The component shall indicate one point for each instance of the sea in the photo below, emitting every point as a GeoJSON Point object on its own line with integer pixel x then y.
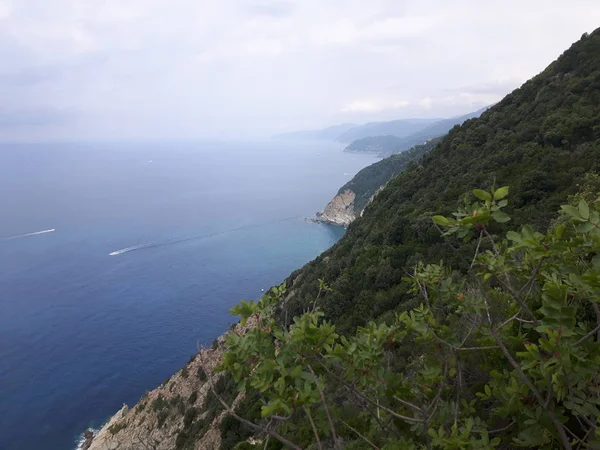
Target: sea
{"type": "Point", "coordinates": [118, 259]}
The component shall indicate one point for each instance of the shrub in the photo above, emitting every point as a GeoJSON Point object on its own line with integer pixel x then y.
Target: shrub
{"type": "Point", "coordinates": [504, 354]}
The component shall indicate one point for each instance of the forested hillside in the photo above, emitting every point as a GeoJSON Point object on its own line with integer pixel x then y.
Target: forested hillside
{"type": "Point", "coordinates": [439, 321]}
{"type": "Point", "coordinates": [368, 180]}
{"type": "Point", "coordinates": [374, 144]}
{"type": "Point", "coordinates": [400, 128]}
{"type": "Point", "coordinates": [389, 145]}
{"type": "Point", "coordinates": [541, 139]}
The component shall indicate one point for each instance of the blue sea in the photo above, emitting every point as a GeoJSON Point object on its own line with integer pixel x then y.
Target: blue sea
{"type": "Point", "coordinates": [116, 259]}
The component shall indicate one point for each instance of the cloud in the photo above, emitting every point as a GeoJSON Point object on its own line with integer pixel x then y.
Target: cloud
{"type": "Point", "coordinates": [185, 69]}
{"type": "Point", "coordinates": [271, 8]}
{"type": "Point", "coordinates": [366, 106]}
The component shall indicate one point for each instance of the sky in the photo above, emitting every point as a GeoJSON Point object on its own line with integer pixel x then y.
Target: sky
{"type": "Point", "coordinates": [186, 69]}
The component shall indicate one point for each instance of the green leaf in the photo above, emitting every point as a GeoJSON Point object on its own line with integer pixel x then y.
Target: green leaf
{"type": "Point", "coordinates": [441, 221]}
{"type": "Point", "coordinates": [571, 210]}
{"type": "Point", "coordinates": [470, 423]}
{"type": "Point", "coordinates": [482, 195]}
{"type": "Point", "coordinates": [585, 227]}
{"type": "Point", "coordinates": [584, 209]}
{"type": "Point", "coordinates": [500, 216]}
{"type": "Point", "coordinates": [501, 193]}
{"type": "Point", "coordinates": [514, 236]}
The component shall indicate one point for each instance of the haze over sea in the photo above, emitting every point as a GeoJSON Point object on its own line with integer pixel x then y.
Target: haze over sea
{"type": "Point", "coordinates": [193, 228]}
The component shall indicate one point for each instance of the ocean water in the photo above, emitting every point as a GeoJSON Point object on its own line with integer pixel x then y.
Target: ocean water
{"type": "Point", "coordinates": [116, 259]}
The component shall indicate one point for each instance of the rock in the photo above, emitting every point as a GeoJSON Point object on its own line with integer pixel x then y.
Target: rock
{"type": "Point", "coordinates": [137, 428]}
{"type": "Point", "coordinates": [89, 437]}
{"type": "Point", "coordinates": [340, 210]}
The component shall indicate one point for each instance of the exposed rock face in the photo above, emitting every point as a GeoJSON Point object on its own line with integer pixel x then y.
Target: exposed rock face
{"type": "Point", "coordinates": [159, 416]}
{"type": "Point", "coordinates": [89, 437]}
{"type": "Point", "coordinates": [340, 210]}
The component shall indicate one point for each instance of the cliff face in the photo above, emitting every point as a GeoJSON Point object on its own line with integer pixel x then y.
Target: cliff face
{"type": "Point", "coordinates": [355, 195]}
{"type": "Point", "coordinates": [340, 210]}
{"type": "Point", "coordinates": [182, 413]}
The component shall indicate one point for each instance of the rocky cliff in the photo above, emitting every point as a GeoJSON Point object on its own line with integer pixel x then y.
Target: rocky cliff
{"type": "Point", "coordinates": [182, 413]}
{"type": "Point", "coordinates": [352, 198]}
{"type": "Point", "coordinates": [340, 210]}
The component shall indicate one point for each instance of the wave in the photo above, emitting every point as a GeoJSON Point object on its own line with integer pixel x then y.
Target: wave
{"type": "Point", "coordinates": [81, 439]}
{"type": "Point", "coordinates": [193, 238]}
{"type": "Point", "coordinates": [27, 234]}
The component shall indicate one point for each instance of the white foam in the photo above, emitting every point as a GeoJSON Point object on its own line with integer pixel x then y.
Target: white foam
{"type": "Point", "coordinates": [123, 250]}
{"type": "Point", "coordinates": [29, 234]}
{"type": "Point", "coordinates": [129, 249]}
{"type": "Point", "coordinates": [81, 439]}
{"type": "Point", "coordinates": [192, 238]}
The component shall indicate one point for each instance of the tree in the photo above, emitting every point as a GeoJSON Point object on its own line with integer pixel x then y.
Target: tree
{"type": "Point", "coordinates": [504, 353]}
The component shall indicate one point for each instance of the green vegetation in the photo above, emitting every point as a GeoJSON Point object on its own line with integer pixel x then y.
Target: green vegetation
{"type": "Point", "coordinates": [366, 182]}
{"type": "Point", "coordinates": [386, 145]}
{"type": "Point", "coordinates": [375, 144]}
{"type": "Point", "coordinates": [438, 320]}
{"type": "Point", "coordinates": [194, 427]}
{"type": "Point", "coordinates": [541, 140]}
{"type": "Point", "coordinates": [400, 128]}
{"type": "Point", "coordinates": [159, 403]}
{"type": "Point", "coordinates": [161, 407]}
{"type": "Point", "coordinates": [114, 429]}
{"type": "Point", "coordinates": [505, 353]}
{"type": "Point", "coordinates": [485, 337]}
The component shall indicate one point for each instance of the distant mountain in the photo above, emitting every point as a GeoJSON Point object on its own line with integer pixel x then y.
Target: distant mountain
{"type": "Point", "coordinates": [408, 133]}
{"type": "Point", "coordinates": [329, 133]}
{"type": "Point", "coordinates": [399, 128]}
{"type": "Point", "coordinates": [386, 145]}
{"type": "Point", "coordinates": [375, 144]}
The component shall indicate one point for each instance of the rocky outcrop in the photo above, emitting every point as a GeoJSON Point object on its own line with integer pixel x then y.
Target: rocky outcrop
{"type": "Point", "coordinates": [88, 438]}
{"type": "Point", "coordinates": [340, 210]}
{"type": "Point", "coordinates": [181, 413]}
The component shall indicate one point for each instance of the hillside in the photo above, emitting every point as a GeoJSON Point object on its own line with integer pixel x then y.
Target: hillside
{"type": "Point", "coordinates": [399, 128]}
{"type": "Point", "coordinates": [388, 145]}
{"type": "Point", "coordinates": [539, 139]}
{"type": "Point", "coordinates": [367, 181]}
{"type": "Point", "coordinates": [542, 140]}
{"type": "Point", "coordinates": [374, 144]}
{"type": "Point", "coordinates": [348, 132]}
{"type": "Point", "coordinates": [353, 197]}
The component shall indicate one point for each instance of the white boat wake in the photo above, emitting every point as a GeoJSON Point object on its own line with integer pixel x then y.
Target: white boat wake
{"type": "Point", "coordinates": [28, 234]}
{"type": "Point", "coordinates": [130, 249]}
{"type": "Point", "coordinates": [193, 238]}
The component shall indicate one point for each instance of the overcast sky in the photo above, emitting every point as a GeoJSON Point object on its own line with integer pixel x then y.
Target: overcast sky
{"type": "Point", "coordinates": [87, 69]}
